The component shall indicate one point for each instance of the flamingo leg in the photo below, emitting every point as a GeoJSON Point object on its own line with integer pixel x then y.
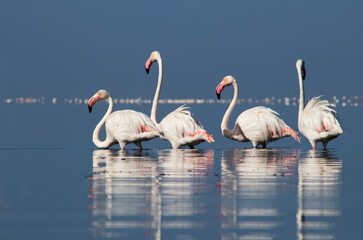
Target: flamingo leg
{"type": "Point", "coordinates": [324, 145]}
{"type": "Point", "coordinates": [122, 145]}
{"type": "Point", "coordinates": [139, 145]}
{"type": "Point", "coordinates": [313, 144]}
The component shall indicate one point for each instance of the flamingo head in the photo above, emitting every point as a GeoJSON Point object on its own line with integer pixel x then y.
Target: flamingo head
{"type": "Point", "coordinates": [154, 56]}
{"type": "Point", "coordinates": [99, 96]}
{"type": "Point", "coordinates": [227, 81]}
{"type": "Point", "coordinates": [300, 65]}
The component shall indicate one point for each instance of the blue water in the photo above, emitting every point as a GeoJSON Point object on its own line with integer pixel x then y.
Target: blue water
{"type": "Point", "coordinates": [55, 184]}
{"type": "Point", "coordinates": [180, 194]}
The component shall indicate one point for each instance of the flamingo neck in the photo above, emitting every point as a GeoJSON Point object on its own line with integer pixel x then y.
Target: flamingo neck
{"type": "Point", "coordinates": [157, 92]}
{"type": "Point", "coordinates": [108, 141]}
{"type": "Point", "coordinates": [302, 95]}
{"type": "Point", "coordinates": [224, 125]}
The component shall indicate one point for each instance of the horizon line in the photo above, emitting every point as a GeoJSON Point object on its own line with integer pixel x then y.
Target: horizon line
{"type": "Point", "coordinates": [353, 101]}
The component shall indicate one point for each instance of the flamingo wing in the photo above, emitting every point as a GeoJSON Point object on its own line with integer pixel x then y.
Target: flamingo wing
{"type": "Point", "coordinates": [262, 124]}
{"type": "Point", "coordinates": [319, 116]}
{"type": "Point", "coordinates": [181, 128]}
{"type": "Point", "coordinates": [131, 126]}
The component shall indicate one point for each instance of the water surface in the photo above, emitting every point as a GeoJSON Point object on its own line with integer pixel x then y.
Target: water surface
{"type": "Point", "coordinates": [215, 194]}
{"type": "Point", "coordinates": [55, 184]}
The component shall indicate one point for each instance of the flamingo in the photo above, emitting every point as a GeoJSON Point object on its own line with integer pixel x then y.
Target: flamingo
{"type": "Point", "coordinates": [123, 127]}
{"type": "Point", "coordinates": [179, 127]}
{"type": "Point", "coordinates": [258, 125]}
{"type": "Point", "coordinates": [318, 121]}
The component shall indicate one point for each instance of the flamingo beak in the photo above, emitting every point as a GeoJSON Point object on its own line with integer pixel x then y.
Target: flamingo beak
{"type": "Point", "coordinates": [147, 65]}
{"type": "Point", "coordinates": [303, 73]}
{"type": "Point", "coordinates": [219, 90]}
{"type": "Point", "coordinates": [218, 96]}
{"type": "Point", "coordinates": [92, 101]}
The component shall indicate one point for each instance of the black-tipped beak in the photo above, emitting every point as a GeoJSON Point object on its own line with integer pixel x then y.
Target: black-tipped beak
{"type": "Point", "coordinates": [218, 96]}
{"type": "Point", "coordinates": [147, 70]}
{"type": "Point", "coordinates": [303, 73]}
{"type": "Point", "coordinates": [89, 109]}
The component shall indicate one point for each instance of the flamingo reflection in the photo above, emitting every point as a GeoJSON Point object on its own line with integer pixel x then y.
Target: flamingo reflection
{"type": "Point", "coordinates": [254, 181]}
{"type": "Point", "coordinates": [318, 191]}
{"type": "Point", "coordinates": [140, 195]}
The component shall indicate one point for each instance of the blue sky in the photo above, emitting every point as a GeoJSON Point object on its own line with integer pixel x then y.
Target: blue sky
{"type": "Point", "coordinates": [73, 48]}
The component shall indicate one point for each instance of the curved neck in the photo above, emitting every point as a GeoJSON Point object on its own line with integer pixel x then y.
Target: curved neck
{"type": "Point", "coordinates": [224, 125]}
{"type": "Point", "coordinates": [108, 141]}
{"type": "Point", "coordinates": [157, 92]}
{"type": "Point", "coordinates": [302, 95]}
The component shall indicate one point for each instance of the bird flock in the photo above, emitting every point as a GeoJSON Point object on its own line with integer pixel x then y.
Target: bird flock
{"type": "Point", "coordinates": [317, 120]}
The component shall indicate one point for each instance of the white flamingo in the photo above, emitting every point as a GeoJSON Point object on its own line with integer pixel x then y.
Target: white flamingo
{"type": "Point", "coordinates": [123, 127]}
{"type": "Point", "coordinates": [318, 121]}
{"type": "Point", "coordinates": [179, 127]}
{"type": "Point", "coordinates": [258, 125]}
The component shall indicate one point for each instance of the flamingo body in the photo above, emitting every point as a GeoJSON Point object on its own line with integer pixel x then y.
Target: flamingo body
{"type": "Point", "coordinates": [122, 127]}
{"type": "Point", "coordinates": [179, 127]}
{"type": "Point", "coordinates": [318, 121]}
{"type": "Point", "coordinates": [129, 126]}
{"type": "Point", "coordinates": [259, 125]}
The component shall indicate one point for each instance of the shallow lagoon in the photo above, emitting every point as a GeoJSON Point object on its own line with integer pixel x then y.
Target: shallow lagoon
{"type": "Point", "coordinates": [54, 184]}
{"type": "Point", "coordinates": [180, 194]}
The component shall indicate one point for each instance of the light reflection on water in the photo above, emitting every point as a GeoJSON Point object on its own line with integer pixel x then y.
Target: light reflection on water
{"type": "Point", "coordinates": [214, 194]}
{"type": "Point", "coordinates": [135, 195]}
{"type": "Point", "coordinates": [255, 183]}
{"type": "Point", "coordinates": [318, 190]}
{"type": "Point", "coordinates": [344, 101]}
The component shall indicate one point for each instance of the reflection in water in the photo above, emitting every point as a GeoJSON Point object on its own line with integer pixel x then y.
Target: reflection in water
{"type": "Point", "coordinates": [183, 194]}
{"type": "Point", "coordinates": [255, 186]}
{"type": "Point", "coordinates": [318, 190]}
{"type": "Point", "coordinates": [113, 199]}
{"type": "Point", "coordinates": [135, 195]}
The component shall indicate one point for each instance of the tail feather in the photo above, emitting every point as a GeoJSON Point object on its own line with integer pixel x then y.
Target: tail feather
{"type": "Point", "coordinates": [290, 132]}
{"type": "Point", "coordinates": [209, 137]}
{"type": "Point", "coordinates": [203, 135]}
